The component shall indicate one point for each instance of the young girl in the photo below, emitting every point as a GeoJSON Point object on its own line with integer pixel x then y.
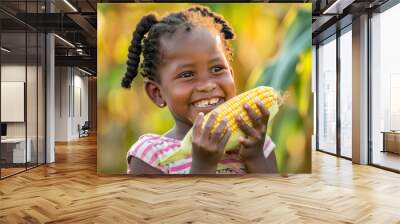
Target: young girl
{"type": "Point", "coordinates": [186, 67]}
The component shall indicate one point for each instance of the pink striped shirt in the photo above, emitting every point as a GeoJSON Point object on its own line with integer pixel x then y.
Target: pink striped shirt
{"type": "Point", "coordinates": [150, 148]}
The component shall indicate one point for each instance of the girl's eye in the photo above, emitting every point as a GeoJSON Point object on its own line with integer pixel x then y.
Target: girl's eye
{"type": "Point", "coordinates": [185, 75]}
{"type": "Point", "coordinates": [216, 69]}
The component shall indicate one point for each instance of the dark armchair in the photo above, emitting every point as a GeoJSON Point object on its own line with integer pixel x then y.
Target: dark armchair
{"type": "Point", "coordinates": [84, 130]}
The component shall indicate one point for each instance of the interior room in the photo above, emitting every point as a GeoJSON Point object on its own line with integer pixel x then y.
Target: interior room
{"type": "Point", "coordinates": [333, 56]}
{"type": "Point", "coordinates": [385, 87]}
{"type": "Point", "coordinates": [48, 150]}
{"type": "Point", "coordinates": [22, 100]}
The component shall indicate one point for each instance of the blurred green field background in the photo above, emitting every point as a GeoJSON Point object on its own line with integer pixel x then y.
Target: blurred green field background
{"type": "Point", "coordinates": [272, 47]}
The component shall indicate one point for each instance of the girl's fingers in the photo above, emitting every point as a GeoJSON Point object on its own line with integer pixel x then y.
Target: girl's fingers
{"type": "Point", "coordinates": [205, 136]}
{"type": "Point", "coordinates": [256, 120]}
{"type": "Point", "coordinates": [247, 143]}
{"type": "Point", "coordinates": [264, 111]}
{"type": "Point", "coordinates": [247, 130]}
{"type": "Point", "coordinates": [219, 131]}
{"type": "Point", "coordinates": [224, 140]}
{"type": "Point", "coordinates": [264, 114]}
{"type": "Point", "coordinates": [197, 125]}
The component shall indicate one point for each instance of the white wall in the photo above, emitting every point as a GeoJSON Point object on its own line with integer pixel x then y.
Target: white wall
{"type": "Point", "coordinates": [33, 127]}
{"type": "Point", "coordinates": [61, 103]}
{"type": "Point", "coordinates": [16, 73]}
{"type": "Point", "coordinates": [71, 94]}
{"type": "Point", "coordinates": [80, 102]}
{"type": "Point", "coordinates": [13, 73]}
{"type": "Point", "coordinates": [13, 100]}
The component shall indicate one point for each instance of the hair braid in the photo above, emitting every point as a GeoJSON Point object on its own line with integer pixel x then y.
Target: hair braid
{"type": "Point", "coordinates": [135, 49]}
{"type": "Point", "coordinates": [226, 29]}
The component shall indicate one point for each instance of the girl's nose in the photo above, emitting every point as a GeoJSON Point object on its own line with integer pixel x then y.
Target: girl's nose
{"type": "Point", "coordinates": [206, 87]}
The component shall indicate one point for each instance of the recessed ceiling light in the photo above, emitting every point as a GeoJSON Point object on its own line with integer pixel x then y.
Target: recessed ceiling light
{"type": "Point", "coordinates": [70, 5]}
{"type": "Point", "coordinates": [337, 7]}
{"type": "Point", "coordinates": [84, 71]}
{"type": "Point", "coordinates": [64, 40]}
{"type": "Point", "coordinates": [5, 50]}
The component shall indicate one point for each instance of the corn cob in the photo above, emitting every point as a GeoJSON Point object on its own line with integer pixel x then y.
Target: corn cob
{"type": "Point", "coordinates": [234, 107]}
{"type": "Point", "coordinates": [231, 108]}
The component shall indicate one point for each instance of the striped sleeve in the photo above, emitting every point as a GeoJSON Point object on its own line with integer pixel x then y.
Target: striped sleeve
{"type": "Point", "coordinates": [150, 148]}
{"type": "Point", "coordinates": [145, 149]}
{"type": "Point", "coordinates": [269, 146]}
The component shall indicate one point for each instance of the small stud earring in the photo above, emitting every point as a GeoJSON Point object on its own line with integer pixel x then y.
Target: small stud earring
{"type": "Point", "coordinates": [162, 104]}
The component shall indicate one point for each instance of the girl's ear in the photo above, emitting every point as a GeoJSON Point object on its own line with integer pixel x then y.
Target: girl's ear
{"type": "Point", "coordinates": [154, 92]}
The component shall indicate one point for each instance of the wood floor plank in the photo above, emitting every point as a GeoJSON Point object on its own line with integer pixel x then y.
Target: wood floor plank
{"type": "Point", "coordinates": [70, 191]}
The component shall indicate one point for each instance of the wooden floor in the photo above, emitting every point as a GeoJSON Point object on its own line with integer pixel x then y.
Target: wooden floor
{"type": "Point", "coordinates": [70, 191]}
{"type": "Point", "coordinates": [10, 171]}
{"type": "Point", "coordinates": [387, 159]}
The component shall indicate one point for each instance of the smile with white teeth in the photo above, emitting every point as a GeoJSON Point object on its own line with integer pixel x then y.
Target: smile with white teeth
{"type": "Point", "coordinates": [207, 102]}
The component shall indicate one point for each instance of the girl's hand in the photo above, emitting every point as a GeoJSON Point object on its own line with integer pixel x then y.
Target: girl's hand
{"type": "Point", "coordinates": [251, 146]}
{"type": "Point", "coordinates": [207, 147]}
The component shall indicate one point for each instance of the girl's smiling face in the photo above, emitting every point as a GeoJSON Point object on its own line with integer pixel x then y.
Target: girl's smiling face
{"type": "Point", "coordinates": [194, 73]}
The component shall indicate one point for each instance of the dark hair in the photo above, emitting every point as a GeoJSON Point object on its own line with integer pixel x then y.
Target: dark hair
{"type": "Point", "coordinates": [167, 26]}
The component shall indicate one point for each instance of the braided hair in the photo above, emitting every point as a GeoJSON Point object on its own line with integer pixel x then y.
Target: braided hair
{"type": "Point", "coordinates": [155, 29]}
